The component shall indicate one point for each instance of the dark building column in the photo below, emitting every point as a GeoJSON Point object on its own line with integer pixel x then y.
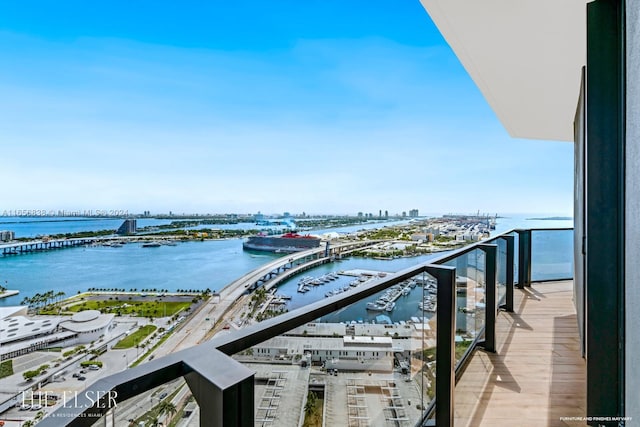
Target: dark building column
{"type": "Point", "coordinates": [604, 213]}
{"type": "Point", "coordinates": [632, 196]}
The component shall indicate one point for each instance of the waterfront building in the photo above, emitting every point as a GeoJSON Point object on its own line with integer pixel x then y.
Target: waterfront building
{"type": "Point", "coordinates": [21, 334]}
{"type": "Point", "coordinates": [328, 330]}
{"type": "Point", "coordinates": [419, 237]}
{"type": "Point", "coordinates": [7, 236]}
{"type": "Point", "coordinates": [129, 226]}
{"type": "Point", "coordinates": [348, 353]}
{"type": "Point", "coordinates": [88, 325]}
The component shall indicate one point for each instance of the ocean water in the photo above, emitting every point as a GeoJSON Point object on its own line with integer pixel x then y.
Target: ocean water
{"type": "Point", "coordinates": [508, 222]}
{"type": "Point", "coordinates": [208, 264]}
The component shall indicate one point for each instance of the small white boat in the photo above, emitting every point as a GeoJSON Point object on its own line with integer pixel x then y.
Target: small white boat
{"type": "Point", "coordinates": [372, 306]}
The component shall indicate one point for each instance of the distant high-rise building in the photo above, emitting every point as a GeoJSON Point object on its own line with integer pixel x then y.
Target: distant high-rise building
{"type": "Point", "coordinates": [413, 213]}
{"type": "Point", "coordinates": [360, 214]}
{"type": "Point", "coordinates": [6, 236]}
{"type": "Point", "coordinates": [404, 214]}
{"type": "Point", "coordinates": [386, 214]}
{"type": "Point", "coordinates": [129, 226]}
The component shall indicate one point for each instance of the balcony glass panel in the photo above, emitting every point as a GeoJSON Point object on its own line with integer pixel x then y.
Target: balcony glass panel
{"type": "Point", "coordinates": [501, 272]}
{"type": "Point", "coordinates": [516, 256]}
{"type": "Point", "coordinates": [551, 254]}
{"type": "Point", "coordinates": [370, 363]}
{"type": "Point", "coordinates": [470, 302]}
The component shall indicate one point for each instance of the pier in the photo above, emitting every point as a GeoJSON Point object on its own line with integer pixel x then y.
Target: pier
{"type": "Point", "coordinates": [8, 293]}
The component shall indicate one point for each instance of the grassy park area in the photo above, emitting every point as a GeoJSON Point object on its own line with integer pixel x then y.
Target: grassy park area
{"type": "Point", "coordinates": [137, 337]}
{"type": "Point", "coordinates": [127, 307]}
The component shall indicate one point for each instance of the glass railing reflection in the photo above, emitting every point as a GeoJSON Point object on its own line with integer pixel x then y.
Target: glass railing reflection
{"type": "Point", "coordinates": [501, 272]}
{"type": "Point", "coordinates": [370, 363]}
{"type": "Point", "coordinates": [470, 298]}
{"type": "Point", "coordinates": [551, 254]}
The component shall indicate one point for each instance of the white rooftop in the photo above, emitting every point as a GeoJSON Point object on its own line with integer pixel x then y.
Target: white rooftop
{"type": "Point", "coordinates": [85, 316]}
{"type": "Point", "coordinates": [12, 311]}
{"type": "Point", "coordinates": [86, 321]}
{"type": "Point", "coordinates": [299, 345]}
{"type": "Point", "coordinates": [21, 327]}
{"type": "Point", "coordinates": [362, 341]}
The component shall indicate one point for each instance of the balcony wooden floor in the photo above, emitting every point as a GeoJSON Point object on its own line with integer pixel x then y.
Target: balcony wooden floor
{"type": "Point", "coordinates": [537, 376]}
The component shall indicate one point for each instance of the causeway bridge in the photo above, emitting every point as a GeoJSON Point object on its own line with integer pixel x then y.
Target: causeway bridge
{"type": "Point", "coordinates": [274, 272]}
{"type": "Point", "coordinates": [23, 247]}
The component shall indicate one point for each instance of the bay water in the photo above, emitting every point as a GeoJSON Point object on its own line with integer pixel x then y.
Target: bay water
{"type": "Point", "coordinates": [191, 265]}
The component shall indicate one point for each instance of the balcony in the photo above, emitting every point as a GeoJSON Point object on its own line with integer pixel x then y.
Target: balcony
{"type": "Point", "coordinates": [537, 375]}
{"type": "Point", "coordinates": [469, 341]}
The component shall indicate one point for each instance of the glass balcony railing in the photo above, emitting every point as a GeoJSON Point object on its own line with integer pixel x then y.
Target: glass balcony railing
{"type": "Point", "coordinates": [371, 362]}
{"type": "Point", "coordinates": [380, 349]}
{"type": "Point", "coordinates": [551, 254]}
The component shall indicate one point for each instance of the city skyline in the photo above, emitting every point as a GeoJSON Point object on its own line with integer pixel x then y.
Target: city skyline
{"type": "Point", "coordinates": [320, 107]}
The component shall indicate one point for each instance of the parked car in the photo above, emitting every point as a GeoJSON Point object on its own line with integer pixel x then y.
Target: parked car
{"type": "Point", "coordinates": [82, 378]}
{"type": "Point", "coordinates": [94, 367]}
{"type": "Point", "coordinates": [36, 407]}
{"type": "Point", "coordinates": [75, 375]}
{"type": "Point", "coordinates": [25, 407]}
{"type": "Point", "coordinates": [82, 371]}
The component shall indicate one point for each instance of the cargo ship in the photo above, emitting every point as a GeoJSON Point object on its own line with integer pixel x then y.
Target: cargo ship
{"type": "Point", "coordinates": [289, 242]}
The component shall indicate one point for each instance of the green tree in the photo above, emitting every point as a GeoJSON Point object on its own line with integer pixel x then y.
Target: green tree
{"type": "Point", "coordinates": [166, 407]}
{"type": "Point", "coordinates": [29, 375]}
{"type": "Point", "coordinates": [311, 406]}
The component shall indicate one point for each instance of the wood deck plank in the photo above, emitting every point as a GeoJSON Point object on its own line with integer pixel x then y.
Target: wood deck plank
{"type": "Point", "coordinates": [537, 375]}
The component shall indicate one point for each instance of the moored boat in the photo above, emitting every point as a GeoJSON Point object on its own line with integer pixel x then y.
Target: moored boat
{"type": "Point", "coordinates": [289, 242]}
{"type": "Point", "coordinates": [372, 306]}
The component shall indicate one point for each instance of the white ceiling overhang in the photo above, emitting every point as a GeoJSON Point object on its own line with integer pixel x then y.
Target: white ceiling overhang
{"type": "Point", "coordinates": [525, 56]}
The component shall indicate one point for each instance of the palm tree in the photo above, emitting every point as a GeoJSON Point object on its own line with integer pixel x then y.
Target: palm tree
{"type": "Point", "coordinates": [166, 407]}
{"type": "Point", "coordinates": [310, 406]}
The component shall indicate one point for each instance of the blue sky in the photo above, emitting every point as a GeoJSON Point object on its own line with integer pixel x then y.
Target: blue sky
{"type": "Point", "coordinates": [316, 106]}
